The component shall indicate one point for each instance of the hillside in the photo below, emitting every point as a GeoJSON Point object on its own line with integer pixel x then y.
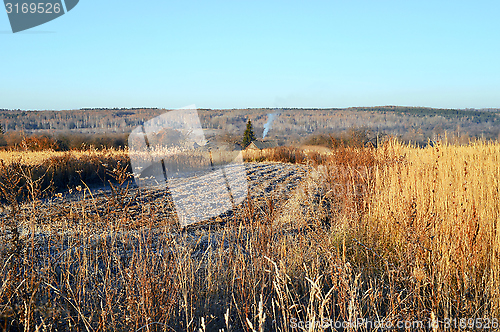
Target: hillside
{"type": "Point", "coordinates": [409, 123]}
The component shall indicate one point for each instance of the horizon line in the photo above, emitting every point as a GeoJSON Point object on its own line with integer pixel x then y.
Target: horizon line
{"type": "Point", "coordinates": [246, 108]}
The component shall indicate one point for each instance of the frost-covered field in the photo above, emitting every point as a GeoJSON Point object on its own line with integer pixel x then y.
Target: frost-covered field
{"type": "Point", "coordinates": [115, 221]}
{"type": "Point", "coordinates": [129, 208]}
{"type": "Point", "coordinates": [396, 233]}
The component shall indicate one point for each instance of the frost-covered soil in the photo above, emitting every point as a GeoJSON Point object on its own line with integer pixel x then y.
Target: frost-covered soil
{"type": "Point", "coordinates": [128, 212]}
{"type": "Point", "coordinates": [97, 241]}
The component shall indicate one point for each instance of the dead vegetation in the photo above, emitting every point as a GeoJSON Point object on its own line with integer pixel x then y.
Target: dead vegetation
{"type": "Point", "coordinates": [394, 233]}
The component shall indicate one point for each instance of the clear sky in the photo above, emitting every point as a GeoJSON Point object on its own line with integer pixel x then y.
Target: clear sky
{"type": "Point", "coordinates": [236, 54]}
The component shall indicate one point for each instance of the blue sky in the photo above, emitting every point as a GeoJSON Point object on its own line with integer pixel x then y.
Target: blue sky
{"type": "Point", "coordinates": [236, 54]}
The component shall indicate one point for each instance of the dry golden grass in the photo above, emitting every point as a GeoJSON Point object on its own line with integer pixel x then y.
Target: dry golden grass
{"type": "Point", "coordinates": [287, 155]}
{"type": "Point", "coordinates": [395, 234]}
{"type": "Point", "coordinates": [436, 212]}
{"type": "Point", "coordinates": [39, 157]}
{"type": "Point", "coordinates": [57, 171]}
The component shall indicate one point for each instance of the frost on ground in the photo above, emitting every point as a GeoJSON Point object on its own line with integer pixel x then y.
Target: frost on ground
{"type": "Point", "coordinates": [95, 213]}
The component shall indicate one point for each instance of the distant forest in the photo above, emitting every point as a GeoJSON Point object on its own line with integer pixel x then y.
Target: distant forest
{"type": "Point", "coordinates": [292, 125]}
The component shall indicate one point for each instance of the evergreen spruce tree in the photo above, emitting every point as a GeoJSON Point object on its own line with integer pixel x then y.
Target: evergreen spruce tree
{"type": "Point", "coordinates": [248, 137]}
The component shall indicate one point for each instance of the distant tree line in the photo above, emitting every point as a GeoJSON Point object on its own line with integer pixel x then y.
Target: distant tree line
{"type": "Point", "coordinates": [477, 116]}
{"type": "Point", "coordinates": [293, 125]}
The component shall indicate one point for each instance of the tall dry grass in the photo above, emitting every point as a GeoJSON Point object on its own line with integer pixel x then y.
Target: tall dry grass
{"type": "Point", "coordinates": [34, 158]}
{"type": "Point", "coordinates": [394, 234]}
{"type": "Point", "coordinates": [434, 215]}
{"type": "Point", "coordinates": [284, 154]}
{"type": "Point", "coordinates": [57, 171]}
